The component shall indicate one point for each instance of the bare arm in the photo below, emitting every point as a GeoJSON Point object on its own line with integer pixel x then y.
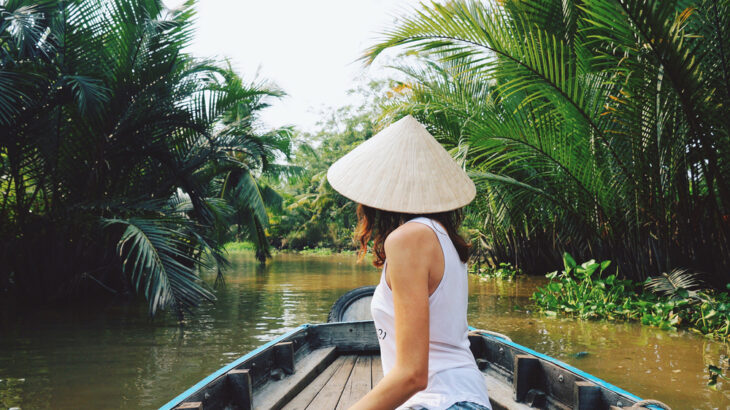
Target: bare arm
{"type": "Point", "coordinates": [408, 270]}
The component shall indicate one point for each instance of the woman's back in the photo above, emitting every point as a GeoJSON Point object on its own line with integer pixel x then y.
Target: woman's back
{"type": "Point", "coordinates": [452, 372]}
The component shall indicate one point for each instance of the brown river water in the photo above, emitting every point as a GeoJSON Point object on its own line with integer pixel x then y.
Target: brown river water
{"type": "Point", "coordinates": [116, 357]}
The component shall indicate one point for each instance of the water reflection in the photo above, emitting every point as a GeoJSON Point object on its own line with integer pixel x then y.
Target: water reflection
{"type": "Point", "coordinates": [114, 357]}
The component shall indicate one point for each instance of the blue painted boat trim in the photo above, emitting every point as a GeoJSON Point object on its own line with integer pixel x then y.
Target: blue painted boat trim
{"type": "Point", "coordinates": [579, 372]}
{"type": "Point", "coordinates": [225, 369]}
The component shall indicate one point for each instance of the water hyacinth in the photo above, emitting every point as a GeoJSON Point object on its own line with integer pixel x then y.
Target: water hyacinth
{"type": "Point", "coordinates": [586, 291]}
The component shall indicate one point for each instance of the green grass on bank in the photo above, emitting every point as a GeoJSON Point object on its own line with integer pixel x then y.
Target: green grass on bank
{"type": "Point", "coordinates": [246, 246]}
{"type": "Point", "coordinates": [323, 251]}
{"type": "Point", "coordinates": [233, 247]}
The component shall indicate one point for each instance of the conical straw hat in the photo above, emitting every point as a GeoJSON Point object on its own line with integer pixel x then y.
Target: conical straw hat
{"type": "Point", "coordinates": [402, 169]}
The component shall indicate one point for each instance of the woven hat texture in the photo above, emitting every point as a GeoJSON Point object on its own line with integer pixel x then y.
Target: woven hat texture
{"type": "Point", "coordinates": [402, 169]}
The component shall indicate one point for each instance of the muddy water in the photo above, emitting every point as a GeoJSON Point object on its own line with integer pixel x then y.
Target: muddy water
{"type": "Point", "coordinates": [114, 357]}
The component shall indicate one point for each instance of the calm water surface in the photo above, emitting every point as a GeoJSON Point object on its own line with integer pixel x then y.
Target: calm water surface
{"type": "Point", "coordinates": [115, 357]}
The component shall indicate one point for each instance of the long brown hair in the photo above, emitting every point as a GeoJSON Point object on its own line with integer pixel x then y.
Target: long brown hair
{"type": "Point", "coordinates": [377, 224]}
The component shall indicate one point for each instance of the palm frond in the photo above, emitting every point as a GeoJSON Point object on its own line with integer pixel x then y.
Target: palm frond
{"type": "Point", "coordinates": [104, 116]}
{"type": "Point", "coordinates": [591, 121]}
{"type": "Point", "coordinates": [156, 255]}
{"type": "Point", "coordinates": [678, 284]}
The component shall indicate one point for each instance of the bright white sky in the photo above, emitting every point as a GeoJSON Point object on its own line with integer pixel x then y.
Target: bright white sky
{"type": "Point", "coordinates": [308, 48]}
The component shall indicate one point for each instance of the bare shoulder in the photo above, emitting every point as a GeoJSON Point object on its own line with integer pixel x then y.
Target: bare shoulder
{"type": "Point", "coordinates": [412, 251]}
{"type": "Point", "coordinates": [410, 236]}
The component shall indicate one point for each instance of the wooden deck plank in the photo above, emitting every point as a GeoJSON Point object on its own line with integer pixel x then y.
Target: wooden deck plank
{"type": "Point", "coordinates": [275, 394]}
{"type": "Point", "coordinates": [328, 397]}
{"type": "Point", "coordinates": [302, 400]}
{"type": "Point", "coordinates": [501, 395]}
{"type": "Point", "coordinates": [377, 370]}
{"type": "Point", "coordinates": [359, 383]}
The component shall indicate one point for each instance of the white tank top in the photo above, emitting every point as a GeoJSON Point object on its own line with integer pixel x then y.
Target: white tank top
{"type": "Point", "coordinates": [453, 375]}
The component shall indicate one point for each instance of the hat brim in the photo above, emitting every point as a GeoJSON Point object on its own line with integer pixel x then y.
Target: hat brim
{"type": "Point", "coordinates": [402, 169]}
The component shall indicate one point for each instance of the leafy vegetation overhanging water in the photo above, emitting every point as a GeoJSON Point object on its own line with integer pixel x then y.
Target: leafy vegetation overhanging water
{"type": "Point", "coordinates": [601, 128]}
{"type": "Point", "coordinates": [594, 127]}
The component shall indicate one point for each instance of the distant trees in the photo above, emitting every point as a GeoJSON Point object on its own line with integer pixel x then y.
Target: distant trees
{"type": "Point", "coordinates": [123, 161]}
{"type": "Point", "coordinates": [314, 214]}
{"type": "Point", "coordinates": [591, 126]}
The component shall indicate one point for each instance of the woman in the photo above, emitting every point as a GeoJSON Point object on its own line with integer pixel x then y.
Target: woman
{"type": "Point", "coordinates": [410, 192]}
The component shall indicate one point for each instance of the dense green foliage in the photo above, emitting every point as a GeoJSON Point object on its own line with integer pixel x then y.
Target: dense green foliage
{"type": "Point", "coordinates": [249, 247]}
{"type": "Point", "coordinates": [314, 214]}
{"type": "Point", "coordinates": [668, 302]}
{"type": "Point", "coordinates": [593, 126]}
{"type": "Point", "coordinates": [122, 159]}
{"type": "Point", "coordinates": [596, 127]}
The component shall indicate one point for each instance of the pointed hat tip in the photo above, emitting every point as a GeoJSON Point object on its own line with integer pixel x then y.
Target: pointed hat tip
{"type": "Point", "coordinates": [408, 122]}
{"type": "Point", "coordinates": [409, 117]}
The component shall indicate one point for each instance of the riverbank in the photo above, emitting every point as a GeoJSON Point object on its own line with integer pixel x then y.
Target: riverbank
{"type": "Point", "coordinates": [237, 247]}
{"type": "Point", "coordinates": [670, 302]}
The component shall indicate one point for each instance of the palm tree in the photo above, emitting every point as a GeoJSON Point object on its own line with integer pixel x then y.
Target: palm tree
{"type": "Point", "coordinates": [592, 126]}
{"type": "Point", "coordinates": [106, 128]}
{"type": "Point", "coordinates": [247, 155]}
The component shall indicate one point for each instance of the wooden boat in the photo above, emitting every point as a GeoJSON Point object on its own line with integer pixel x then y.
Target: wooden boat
{"type": "Point", "coordinates": [332, 365]}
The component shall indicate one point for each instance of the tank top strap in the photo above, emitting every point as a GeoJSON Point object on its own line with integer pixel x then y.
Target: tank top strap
{"type": "Point", "coordinates": [426, 221]}
{"type": "Point", "coordinates": [432, 223]}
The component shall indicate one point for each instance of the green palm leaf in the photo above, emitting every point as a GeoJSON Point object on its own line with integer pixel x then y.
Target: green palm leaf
{"type": "Point", "coordinates": [103, 116]}
{"type": "Point", "coordinates": [591, 122]}
{"type": "Point", "coordinates": [156, 255]}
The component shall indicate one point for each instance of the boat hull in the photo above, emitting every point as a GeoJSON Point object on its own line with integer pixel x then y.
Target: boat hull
{"type": "Point", "coordinates": [303, 369]}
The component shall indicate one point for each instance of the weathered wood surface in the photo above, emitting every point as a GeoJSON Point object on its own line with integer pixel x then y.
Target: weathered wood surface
{"type": "Point", "coordinates": [241, 387]}
{"type": "Point", "coordinates": [305, 397]}
{"type": "Point", "coordinates": [587, 396]}
{"type": "Point", "coordinates": [277, 393]}
{"type": "Point", "coordinates": [354, 337]}
{"type": "Point", "coordinates": [284, 356]}
{"type": "Point", "coordinates": [377, 370]}
{"type": "Point", "coordinates": [557, 383]}
{"type": "Point", "coordinates": [215, 395]}
{"type": "Point", "coordinates": [359, 383]}
{"type": "Point", "coordinates": [527, 376]}
{"type": "Point", "coordinates": [331, 366]}
{"type": "Point", "coordinates": [501, 394]}
{"type": "Point", "coordinates": [196, 405]}
{"type": "Point", "coordinates": [328, 397]}
{"type": "Point", "coordinates": [342, 384]}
